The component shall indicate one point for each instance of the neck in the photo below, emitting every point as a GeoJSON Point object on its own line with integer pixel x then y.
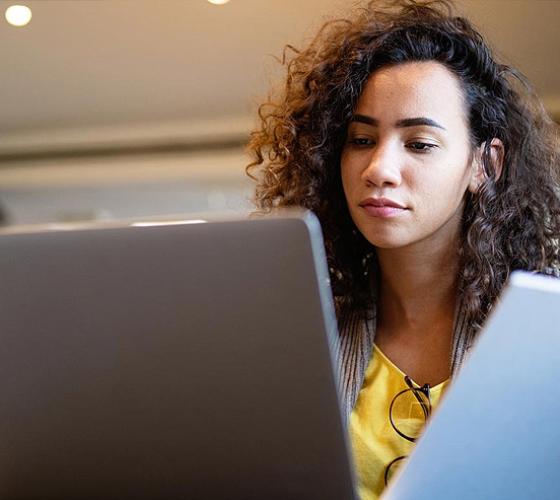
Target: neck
{"type": "Point", "coordinates": [418, 288]}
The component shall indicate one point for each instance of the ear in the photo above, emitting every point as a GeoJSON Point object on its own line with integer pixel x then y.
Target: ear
{"type": "Point", "coordinates": [478, 176]}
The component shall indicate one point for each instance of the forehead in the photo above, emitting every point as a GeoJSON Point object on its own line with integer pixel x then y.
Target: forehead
{"type": "Point", "coordinates": [413, 89]}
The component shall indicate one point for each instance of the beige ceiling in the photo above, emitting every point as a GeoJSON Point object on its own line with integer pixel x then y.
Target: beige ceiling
{"type": "Point", "coordinates": [94, 62]}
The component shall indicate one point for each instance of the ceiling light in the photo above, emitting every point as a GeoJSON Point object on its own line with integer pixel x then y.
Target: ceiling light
{"type": "Point", "coordinates": [18, 15]}
{"type": "Point", "coordinates": [218, 2]}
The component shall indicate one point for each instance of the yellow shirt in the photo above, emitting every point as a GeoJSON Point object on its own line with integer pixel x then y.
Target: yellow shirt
{"type": "Point", "coordinates": [375, 442]}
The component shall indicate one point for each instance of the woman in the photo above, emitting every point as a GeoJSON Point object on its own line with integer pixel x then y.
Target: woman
{"type": "Point", "coordinates": [434, 172]}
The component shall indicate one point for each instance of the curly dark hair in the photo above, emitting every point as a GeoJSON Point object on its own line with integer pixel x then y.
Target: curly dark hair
{"type": "Point", "coordinates": [512, 222]}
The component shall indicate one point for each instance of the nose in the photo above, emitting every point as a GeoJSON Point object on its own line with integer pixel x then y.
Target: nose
{"type": "Point", "coordinates": [384, 168]}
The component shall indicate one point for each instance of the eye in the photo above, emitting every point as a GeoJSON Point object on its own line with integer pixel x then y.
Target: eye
{"type": "Point", "coordinates": [420, 147]}
{"type": "Point", "coordinates": [361, 141]}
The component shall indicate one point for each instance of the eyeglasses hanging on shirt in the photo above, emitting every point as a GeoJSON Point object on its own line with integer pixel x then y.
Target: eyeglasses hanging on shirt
{"type": "Point", "coordinates": [408, 414]}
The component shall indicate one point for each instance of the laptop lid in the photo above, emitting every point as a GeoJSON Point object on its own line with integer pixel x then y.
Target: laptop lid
{"type": "Point", "coordinates": [170, 360]}
{"type": "Point", "coordinates": [497, 432]}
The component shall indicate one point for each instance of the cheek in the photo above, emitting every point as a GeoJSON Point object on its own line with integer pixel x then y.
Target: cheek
{"type": "Point", "coordinates": [348, 176]}
{"type": "Point", "coordinates": [443, 191]}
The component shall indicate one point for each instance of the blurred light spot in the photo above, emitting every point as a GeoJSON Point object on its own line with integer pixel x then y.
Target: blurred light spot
{"type": "Point", "coordinates": [168, 223]}
{"type": "Point", "coordinates": [18, 15]}
{"type": "Point", "coordinates": [218, 2]}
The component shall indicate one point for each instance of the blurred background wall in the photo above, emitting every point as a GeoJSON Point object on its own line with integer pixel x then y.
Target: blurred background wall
{"type": "Point", "coordinates": [130, 108]}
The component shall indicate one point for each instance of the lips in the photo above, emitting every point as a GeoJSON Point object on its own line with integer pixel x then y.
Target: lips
{"type": "Point", "coordinates": [381, 202]}
{"type": "Point", "coordinates": [382, 207]}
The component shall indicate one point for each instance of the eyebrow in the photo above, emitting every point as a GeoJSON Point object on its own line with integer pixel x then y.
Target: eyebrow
{"type": "Point", "coordinates": [405, 122]}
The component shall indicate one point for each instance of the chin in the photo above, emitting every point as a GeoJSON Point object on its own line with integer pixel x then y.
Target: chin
{"type": "Point", "coordinates": [385, 237]}
{"type": "Point", "coordinates": [388, 245]}
{"type": "Point", "coordinates": [386, 241]}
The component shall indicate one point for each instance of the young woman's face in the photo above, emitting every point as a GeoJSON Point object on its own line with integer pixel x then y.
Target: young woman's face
{"type": "Point", "coordinates": [406, 164]}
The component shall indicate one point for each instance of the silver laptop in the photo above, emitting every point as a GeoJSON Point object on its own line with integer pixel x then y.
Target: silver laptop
{"type": "Point", "coordinates": [181, 359]}
{"type": "Point", "coordinates": [496, 434]}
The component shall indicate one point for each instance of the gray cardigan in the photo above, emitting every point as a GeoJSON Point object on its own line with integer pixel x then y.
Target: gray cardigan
{"type": "Point", "coordinates": [357, 334]}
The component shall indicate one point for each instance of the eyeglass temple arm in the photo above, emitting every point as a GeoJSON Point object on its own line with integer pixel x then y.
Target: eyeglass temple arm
{"type": "Point", "coordinates": [424, 389]}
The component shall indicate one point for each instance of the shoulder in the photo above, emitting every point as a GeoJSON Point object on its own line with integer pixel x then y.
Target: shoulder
{"type": "Point", "coordinates": [355, 323]}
